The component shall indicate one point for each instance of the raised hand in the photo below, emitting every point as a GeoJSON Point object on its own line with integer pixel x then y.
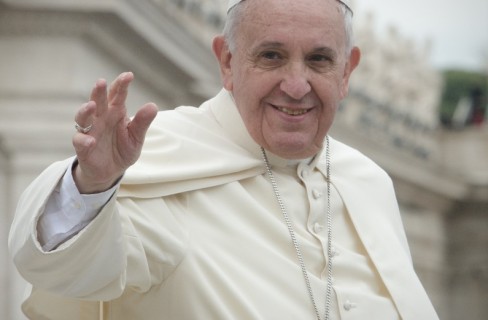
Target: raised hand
{"type": "Point", "coordinates": [114, 141]}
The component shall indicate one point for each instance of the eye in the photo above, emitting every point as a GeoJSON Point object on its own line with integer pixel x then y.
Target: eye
{"type": "Point", "coordinates": [270, 59]}
{"type": "Point", "coordinates": [319, 58]}
{"type": "Point", "coordinates": [271, 55]}
{"type": "Point", "coordinates": [320, 62]}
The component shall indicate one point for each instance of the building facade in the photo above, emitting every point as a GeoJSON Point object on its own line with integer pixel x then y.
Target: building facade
{"type": "Point", "coordinates": [52, 51]}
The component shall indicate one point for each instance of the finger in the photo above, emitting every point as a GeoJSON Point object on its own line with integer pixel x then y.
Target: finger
{"type": "Point", "coordinates": [120, 88]}
{"type": "Point", "coordinates": [99, 96]}
{"type": "Point", "coordinates": [84, 116]}
{"type": "Point", "coordinates": [141, 122]}
{"type": "Point", "coordinates": [83, 145]}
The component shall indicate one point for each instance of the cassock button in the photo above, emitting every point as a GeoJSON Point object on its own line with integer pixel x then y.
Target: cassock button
{"type": "Point", "coordinates": [305, 173]}
{"type": "Point", "coordinates": [317, 227]}
{"type": "Point", "coordinates": [348, 305]}
{"type": "Point", "coordinates": [316, 194]}
{"type": "Point", "coordinates": [335, 251]}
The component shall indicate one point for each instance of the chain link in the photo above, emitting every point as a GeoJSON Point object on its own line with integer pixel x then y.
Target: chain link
{"type": "Point", "coordinates": [295, 241]}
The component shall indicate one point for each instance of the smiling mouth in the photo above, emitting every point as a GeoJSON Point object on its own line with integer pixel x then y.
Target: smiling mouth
{"type": "Point", "coordinates": [291, 112]}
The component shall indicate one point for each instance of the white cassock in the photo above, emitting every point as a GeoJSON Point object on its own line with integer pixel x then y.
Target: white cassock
{"type": "Point", "coordinates": [195, 232]}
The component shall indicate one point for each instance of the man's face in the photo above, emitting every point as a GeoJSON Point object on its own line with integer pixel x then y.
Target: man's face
{"type": "Point", "coordinates": [288, 72]}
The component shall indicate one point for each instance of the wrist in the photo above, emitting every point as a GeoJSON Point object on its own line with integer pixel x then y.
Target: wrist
{"type": "Point", "coordinates": [87, 185]}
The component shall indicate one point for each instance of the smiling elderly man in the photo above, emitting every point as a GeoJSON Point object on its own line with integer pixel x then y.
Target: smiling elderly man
{"type": "Point", "coordinates": [243, 208]}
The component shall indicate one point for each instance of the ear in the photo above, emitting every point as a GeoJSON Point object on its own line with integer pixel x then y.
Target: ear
{"type": "Point", "coordinates": [351, 64]}
{"type": "Point", "coordinates": [224, 56]}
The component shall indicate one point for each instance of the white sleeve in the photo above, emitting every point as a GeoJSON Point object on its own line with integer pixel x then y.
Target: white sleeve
{"type": "Point", "coordinates": [67, 212]}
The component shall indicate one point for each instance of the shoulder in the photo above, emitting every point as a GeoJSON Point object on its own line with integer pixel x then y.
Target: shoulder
{"type": "Point", "coordinates": [353, 163]}
{"type": "Point", "coordinates": [183, 123]}
{"type": "Point", "coordinates": [177, 118]}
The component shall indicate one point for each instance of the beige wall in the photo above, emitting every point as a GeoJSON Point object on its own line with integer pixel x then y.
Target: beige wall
{"type": "Point", "coordinates": [50, 59]}
{"type": "Point", "coordinates": [4, 225]}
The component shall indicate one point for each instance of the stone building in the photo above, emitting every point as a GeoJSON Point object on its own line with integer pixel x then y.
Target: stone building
{"type": "Point", "coordinates": [53, 50]}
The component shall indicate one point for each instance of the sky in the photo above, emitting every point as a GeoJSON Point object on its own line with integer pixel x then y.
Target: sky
{"type": "Point", "coordinates": [458, 29]}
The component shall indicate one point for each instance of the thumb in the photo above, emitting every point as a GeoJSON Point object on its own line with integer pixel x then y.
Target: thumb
{"type": "Point", "coordinates": [141, 121]}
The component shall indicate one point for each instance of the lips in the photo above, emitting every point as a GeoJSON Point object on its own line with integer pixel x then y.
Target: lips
{"type": "Point", "coordinates": [292, 112]}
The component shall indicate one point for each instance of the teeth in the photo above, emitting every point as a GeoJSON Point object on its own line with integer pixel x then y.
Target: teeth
{"type": "Point", "coordinates": [293, 112]}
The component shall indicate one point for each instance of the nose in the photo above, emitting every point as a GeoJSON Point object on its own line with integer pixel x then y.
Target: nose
{"type": "Point", "coordinates": [295, 82]}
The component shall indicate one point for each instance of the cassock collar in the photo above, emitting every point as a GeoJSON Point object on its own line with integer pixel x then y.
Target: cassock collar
{"type": "Point", "coordinates": [227, 114]}
{"type": "Point", "coordinates": [193, 148]}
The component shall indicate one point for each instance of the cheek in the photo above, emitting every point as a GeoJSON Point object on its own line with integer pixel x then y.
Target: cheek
{"type": "Point", "coordinates": [326, 122]}
{"type": "Point", "coordinates": [252, 114]}
{"type": "Point", "coordinates": [330, 100]}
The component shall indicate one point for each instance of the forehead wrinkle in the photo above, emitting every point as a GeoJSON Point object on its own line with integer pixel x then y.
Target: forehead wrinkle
{"type": "Point", "coordinates": [269, 45]}
{"type": "Point", "coordinates": [280, 16]}
{"type": "Point", "coordinates": [300, 16]}
{"type": "Point", "coordinates": [281, 8]}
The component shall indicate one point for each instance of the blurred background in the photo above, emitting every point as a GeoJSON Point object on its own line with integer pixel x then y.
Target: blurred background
{"type": "Point", "coordinates": [417, 106]}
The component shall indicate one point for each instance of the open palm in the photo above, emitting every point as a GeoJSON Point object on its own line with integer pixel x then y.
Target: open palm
{"type": "Point", "coordinates": [115, 141]}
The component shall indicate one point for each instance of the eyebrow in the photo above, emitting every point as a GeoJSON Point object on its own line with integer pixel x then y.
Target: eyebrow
{"type": "Point", "coordinates": [326, 50]}
{"type": "Point", "coordinates": [275, 44]}
{"type": "Point", "coordinates": [269, 45]}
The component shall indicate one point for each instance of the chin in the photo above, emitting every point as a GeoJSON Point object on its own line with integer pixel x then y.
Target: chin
{"type": "Point", "coordinates": [294, 152]}
{"type": "Point", "coordinates": [289, 145]}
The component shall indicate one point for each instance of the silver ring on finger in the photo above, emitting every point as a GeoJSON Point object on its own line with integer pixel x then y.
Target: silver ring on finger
{"type": "Point", "coordinates": [81, 129]}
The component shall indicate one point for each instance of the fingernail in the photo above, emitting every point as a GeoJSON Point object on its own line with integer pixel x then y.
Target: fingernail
{"type": "Point", "coordinates": [100, 82]}
{"type": "Point", "coordinates": [127, 74]}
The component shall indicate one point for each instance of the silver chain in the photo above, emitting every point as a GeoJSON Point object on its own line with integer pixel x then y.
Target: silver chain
{"type": "Point", "coordinates": [296, 244]}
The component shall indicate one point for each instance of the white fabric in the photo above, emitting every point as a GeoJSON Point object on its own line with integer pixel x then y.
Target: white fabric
{"type": "Point", "coordinates": [232, 3]}
{"type": "Point", "coordinates": [202, 237]}
{"type": "Point", "coordinates": [357, 286]}
{"type": "Point", "coordinates": [67, 212]}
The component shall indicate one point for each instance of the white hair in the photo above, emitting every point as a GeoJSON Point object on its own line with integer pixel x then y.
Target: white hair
{"type": "Point", "coordinates": [235, 16]}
